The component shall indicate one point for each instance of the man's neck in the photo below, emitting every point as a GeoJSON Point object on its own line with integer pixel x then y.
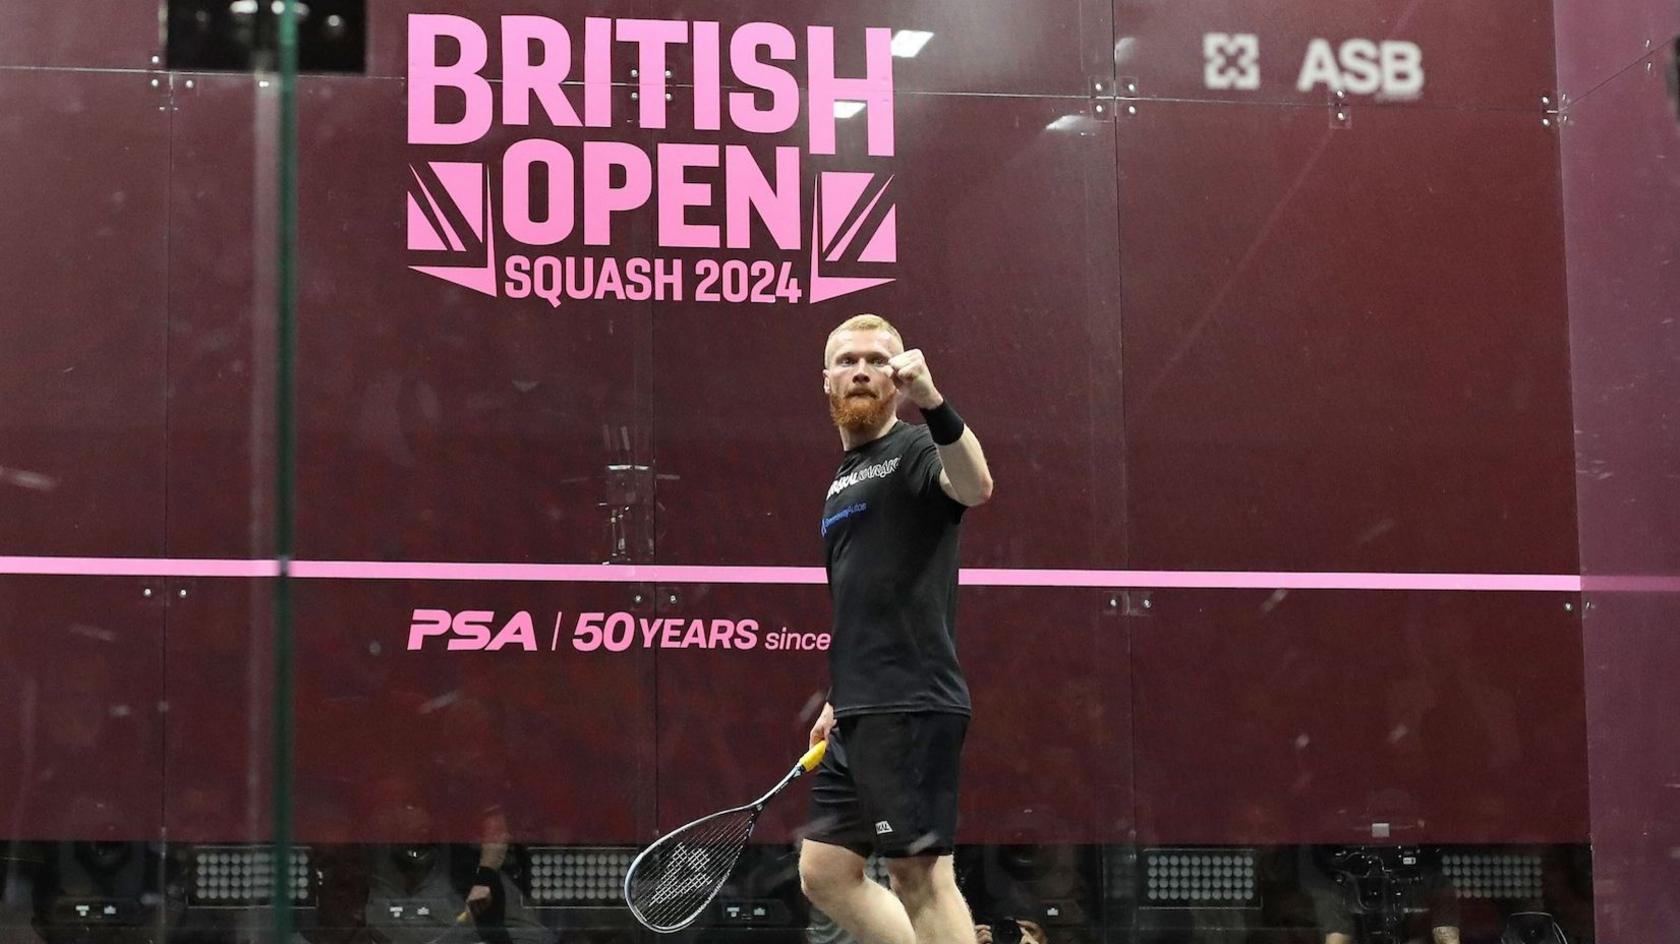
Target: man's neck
{"type": "Point", "coordinates": [851, 440]}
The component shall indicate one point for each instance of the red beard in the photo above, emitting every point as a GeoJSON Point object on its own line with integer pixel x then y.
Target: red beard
{"type": "Point", "coordinates": [860, 414]}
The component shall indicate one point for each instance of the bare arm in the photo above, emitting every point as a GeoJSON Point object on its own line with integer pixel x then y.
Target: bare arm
{"type": "Point", "coordinates": [491, 855]}
{"type": "Point", "coordinates": [965, 477]}
{"type": "Point", "coordinates": [493, 851]}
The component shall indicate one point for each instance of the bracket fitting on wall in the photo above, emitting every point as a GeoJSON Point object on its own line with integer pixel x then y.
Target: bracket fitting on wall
{"type": "Point", "coordinates": [163, 87]}
{"type": "Point", "coordinates": [1099, 98]}
{"type": "Point", "coordinates": [1129, 602]}
{"type": "Point", "coordinates": [1126, 101]}
{"type": "Point", "coordinates": [1341, 110]}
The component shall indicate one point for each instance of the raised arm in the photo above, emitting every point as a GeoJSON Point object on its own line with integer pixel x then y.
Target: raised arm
{"type": "Point", "coordinates": [965, 477]}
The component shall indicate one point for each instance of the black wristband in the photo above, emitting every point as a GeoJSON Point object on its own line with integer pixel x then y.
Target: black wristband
{"type": "Point", "coordinates": [944, 424]}
{"type": "Point", "coordinates": [485, 876]}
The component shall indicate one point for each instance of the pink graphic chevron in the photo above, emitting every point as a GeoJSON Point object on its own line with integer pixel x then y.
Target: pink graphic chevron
{"type": "Point", "coordinates": [853, 221]}
{"type": "Point", "coordinates": [422, 235]}
{"type": "Point", "coordinates": [839, 192]}
{"type": "Point", "coordinates": [884, 247]}
{"type": "Point", "coordinates": [450, 220]}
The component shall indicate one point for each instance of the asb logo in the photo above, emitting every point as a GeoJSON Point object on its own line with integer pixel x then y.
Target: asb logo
{"type": "Point", "coordinates": [1232, 61]}
{"type": "Point", "coordinates": [1392, 68]}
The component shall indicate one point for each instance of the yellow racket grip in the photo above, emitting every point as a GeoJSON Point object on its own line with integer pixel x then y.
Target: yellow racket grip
{"type": "Point", "coordinates": [814, 756]}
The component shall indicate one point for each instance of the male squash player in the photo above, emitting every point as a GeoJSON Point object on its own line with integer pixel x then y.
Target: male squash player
{"type": "Point", "coordinates": [898, 707]}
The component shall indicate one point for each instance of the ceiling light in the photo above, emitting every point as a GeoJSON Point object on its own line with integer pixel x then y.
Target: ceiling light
{"type": "Point", "coordinates": [906, 43]}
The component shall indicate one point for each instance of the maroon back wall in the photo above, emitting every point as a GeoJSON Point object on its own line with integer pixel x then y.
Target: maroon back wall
{"type": "Point", "coordinates": [1197, 329]}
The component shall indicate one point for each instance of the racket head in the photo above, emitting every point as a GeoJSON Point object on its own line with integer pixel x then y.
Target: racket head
{"type": "Point", "coordinates": [672, 881]}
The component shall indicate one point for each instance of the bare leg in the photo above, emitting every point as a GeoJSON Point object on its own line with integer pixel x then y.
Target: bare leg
{"type": "Point", "coordinates": [833, 878]}
{"type": "Point", "coordinates": [928, 887]}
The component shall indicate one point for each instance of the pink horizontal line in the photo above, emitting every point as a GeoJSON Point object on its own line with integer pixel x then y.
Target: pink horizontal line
{"type": "Point", "coordinates": [732, 574]}
{"type": "Point", "coordinates": [1267, 580]}
{"type": "Point", "coordinates": [140, 566]}
{"type": "Point", "coordinates": [557, 573]}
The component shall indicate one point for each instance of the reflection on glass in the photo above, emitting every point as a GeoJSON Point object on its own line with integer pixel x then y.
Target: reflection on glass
{"type": "Point", "coordinates": [1151, 242]}
{"type": "Point", "coordinates": [1392, 895]}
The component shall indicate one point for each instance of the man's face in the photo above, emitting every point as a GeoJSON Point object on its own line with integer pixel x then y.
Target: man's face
{"type": "Point", "coordinates": [860, 394]}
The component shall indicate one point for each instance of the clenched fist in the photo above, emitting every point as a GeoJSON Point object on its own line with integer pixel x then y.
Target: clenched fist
{"type": "Point", "coordinates": [910, 374]}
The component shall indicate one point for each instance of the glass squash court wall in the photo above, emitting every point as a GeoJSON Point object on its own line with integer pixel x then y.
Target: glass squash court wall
{"type": "Point", "coordinates": [1319, 355]}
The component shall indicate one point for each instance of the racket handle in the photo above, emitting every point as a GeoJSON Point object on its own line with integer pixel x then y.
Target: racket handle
{"type": "Point", "coordinates": [814, 756]}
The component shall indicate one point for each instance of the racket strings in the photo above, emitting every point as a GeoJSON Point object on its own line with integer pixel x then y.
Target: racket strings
{"type": "Point", "coordinates": [679, 876]}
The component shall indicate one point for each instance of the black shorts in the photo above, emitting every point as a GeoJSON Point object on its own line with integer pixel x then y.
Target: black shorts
{"type": "Point", "coordinates": [888, 784]}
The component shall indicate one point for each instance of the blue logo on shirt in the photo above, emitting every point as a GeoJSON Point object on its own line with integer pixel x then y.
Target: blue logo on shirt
{"type": "Point", "coordinates": [842, 515]}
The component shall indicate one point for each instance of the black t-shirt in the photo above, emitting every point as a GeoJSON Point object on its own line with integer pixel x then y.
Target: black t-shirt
{"type": "Point", "coordinates": [891, 535]}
